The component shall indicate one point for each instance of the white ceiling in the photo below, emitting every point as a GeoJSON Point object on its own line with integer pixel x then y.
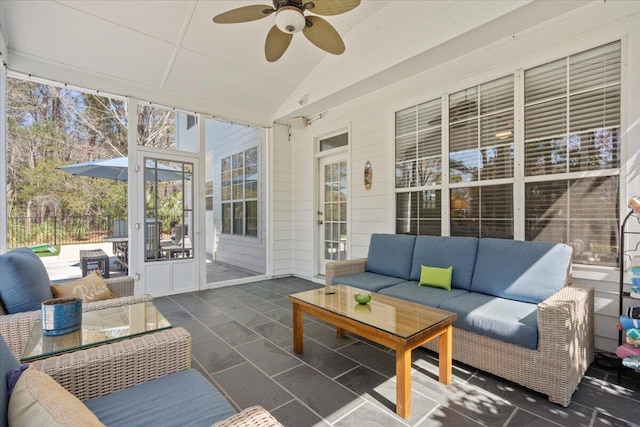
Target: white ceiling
{"type": "Point", "coordinates": [170, 52]}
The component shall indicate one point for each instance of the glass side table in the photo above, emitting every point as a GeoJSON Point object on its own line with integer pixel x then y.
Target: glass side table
{"type": "Point", "coordinates": [98, 327]}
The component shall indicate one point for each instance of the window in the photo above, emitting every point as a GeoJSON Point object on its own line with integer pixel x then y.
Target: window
{"type": "Point", "coordinates": [418, 212]}
{"type": "Point", "coordinates": [208, 195]}
{"type": "Point", "coordinates": [571, 145]}
{"type": "Point", "coordinates": [191, 121]}
{"type": "Point", "coordinates": [333, 142]}
{"type": "Point", "coordinates": [157, 129]}
{"type": "Point", "coordinates": [419, 165]}
{"type": "Point", "coordinates": [572, 153]}
{"type": "Point", "coordinates": [481, 152]}
{"type": "Point", "coordinates": [168, 208]}
{"type": "Point", "coordinates": [419, 145]}
{"type": "Point", "coordinates": [239, 193]}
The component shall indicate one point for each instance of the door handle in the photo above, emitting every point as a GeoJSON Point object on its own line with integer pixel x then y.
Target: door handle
{"type": "Point", "coordinates": [320, 222]}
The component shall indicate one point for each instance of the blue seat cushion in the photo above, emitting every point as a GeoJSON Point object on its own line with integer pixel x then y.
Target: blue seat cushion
{"type": "Point", "coordinates": [7, 362]}
{"type": "Point", "coordinates": [184, 398]}
{"type": "Point", "coordinates": [425, 295]}
{"type": "Point", "coordinates": [368, 281]}
{"type": "Point", "coordinates": [391, 255]}
{"type": "Point", "coordinates": [506, 320]}
{"type": "Point", "coordinates": [24, 282]}
{"type": "Point", "coordinates": [443, 252]}
{"type": "Point", "coordinates": [521, 271]}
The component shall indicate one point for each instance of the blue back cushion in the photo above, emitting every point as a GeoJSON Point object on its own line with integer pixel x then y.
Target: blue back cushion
{"type": "Point", "coordinates": [7, 363]}
{"type": "Point", "coordinates": [521, 271]}
{"type": "Point", "coordinates": [390, 254]}
{"type": "Point", "coordinates": [24, 282]}
{"type": "Point", "coordinates": [443, 252]}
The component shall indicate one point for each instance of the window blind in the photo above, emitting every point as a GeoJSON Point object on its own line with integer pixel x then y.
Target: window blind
{"type": "Point", "coordinates": [419, 212]}
{"type": "Point", "coordinates": [481, 132]}
{"type": "Point", "coordinates": [572, 113]}
{"type": "Point", "coordinates": [572, 124]}
{"type": "Point", "coordinates": [482, 211]}
{"type": "Point", "coordinates": [419, 145]}
{"type": "Point", "coordinates": [581, 212]}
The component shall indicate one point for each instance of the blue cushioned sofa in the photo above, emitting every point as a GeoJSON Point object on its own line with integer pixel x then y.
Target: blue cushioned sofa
{"type": "Point", "coordinates": [519, 315]}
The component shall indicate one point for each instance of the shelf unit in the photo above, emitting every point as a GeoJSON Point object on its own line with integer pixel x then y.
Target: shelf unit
{"type": "Point", "coordinates": [622, 294]}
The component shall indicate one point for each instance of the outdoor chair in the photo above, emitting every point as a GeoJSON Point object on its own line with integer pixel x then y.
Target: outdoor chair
{"type": "Point", "coordinates": [16, 328]}
{"type": "Point", "coordinates": [27, 269]}
{"type": "Point", "coordinates": [146, 380]}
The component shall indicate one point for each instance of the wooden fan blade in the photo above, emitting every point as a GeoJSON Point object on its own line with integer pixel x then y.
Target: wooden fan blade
{"type": "Point", "coordinates": [276, 44]}
{"type": "Point", "coordinates": [244, 14]}
{"type": "Point", "coordinates": [332, 7]}
{"type": "Point", "coordinates": [322, 34]}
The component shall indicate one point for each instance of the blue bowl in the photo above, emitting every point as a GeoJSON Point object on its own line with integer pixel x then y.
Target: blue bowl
{"type": "Point", "coordinates": [635, 281]}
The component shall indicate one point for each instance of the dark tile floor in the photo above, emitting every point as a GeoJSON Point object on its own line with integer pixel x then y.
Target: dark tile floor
{"type": "Point", "coordinates": [242, 342]}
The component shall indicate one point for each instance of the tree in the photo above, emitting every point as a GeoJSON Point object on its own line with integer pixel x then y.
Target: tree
{"type": "Point", "coordinates": [49, 126]}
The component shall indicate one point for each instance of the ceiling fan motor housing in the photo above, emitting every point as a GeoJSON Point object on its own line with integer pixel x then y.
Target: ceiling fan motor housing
{"type": "Point", "coordinates": [290, 20]}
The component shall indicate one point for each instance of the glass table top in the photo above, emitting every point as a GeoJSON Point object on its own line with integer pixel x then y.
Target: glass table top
{"type": "Point", "coordinates": [399, 317]}
{"type": "Point", "coordinates": [98, 327]}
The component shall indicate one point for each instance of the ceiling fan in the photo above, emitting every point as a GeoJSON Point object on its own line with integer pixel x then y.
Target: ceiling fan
{"type": "Point", "coordinates": [291, 19]}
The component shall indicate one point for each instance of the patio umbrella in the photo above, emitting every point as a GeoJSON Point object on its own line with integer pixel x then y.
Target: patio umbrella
{"type": "Point", "coordinates": [117, 168]}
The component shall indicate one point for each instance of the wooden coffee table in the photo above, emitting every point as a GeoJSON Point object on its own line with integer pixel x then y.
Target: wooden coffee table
{"type": "Point", "coordinates": [392, 322]}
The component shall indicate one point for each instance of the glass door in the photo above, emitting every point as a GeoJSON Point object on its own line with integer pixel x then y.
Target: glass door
{"type": "Point", "coordinates": [332, 215]}
{"type": "Point", "coordinates": [168, 209]}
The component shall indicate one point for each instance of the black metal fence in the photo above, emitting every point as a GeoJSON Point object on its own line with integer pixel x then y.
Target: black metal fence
{"type": "Point", "coordinates": [30, 231]}
{"type": "Point", "coordinates": [67, 230]}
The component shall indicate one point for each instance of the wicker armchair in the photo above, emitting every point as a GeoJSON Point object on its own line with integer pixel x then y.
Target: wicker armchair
{"type": "Point", "coordinates": [15, 328]}
{"type": "Point", "coordinates": [132, 364]}
{"type": "Point", "coordinates": [102, 370]}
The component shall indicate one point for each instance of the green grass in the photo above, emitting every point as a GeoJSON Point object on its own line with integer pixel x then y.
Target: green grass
{"type": "Point", "coordinates": [46, 253]}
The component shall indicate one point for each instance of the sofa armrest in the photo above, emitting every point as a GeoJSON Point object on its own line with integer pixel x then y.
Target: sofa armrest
{"type": "Point", "coordinates": [102, 370]}
{"type": "Point", "coordinates": [341, 268]}
{"type": "Point", "coordinates": [566, 327]}
{"type": "Point", "coordinates": [122, 286]}
{"type": "Point", "coordinates": [116, 302]}
{"type": "Point", "coordinates": [16, 328]}
{"type": "Point", "coordinates": [254, 416]}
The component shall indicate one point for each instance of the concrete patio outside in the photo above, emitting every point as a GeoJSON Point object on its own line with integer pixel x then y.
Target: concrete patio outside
{"type": "Point", "coordinates": [66, 265]}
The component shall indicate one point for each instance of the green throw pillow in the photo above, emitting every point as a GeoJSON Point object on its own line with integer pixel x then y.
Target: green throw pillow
{"type": "Point", "coordinates": [436, 277]}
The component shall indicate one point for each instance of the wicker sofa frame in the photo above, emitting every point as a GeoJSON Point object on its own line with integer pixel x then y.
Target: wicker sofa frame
{"type": "Point", "coordinates": [15, 328]}
{"type": "Point", "coordinates": [565, 341]}
{"type": "Point", "coordinates": [104, 369]}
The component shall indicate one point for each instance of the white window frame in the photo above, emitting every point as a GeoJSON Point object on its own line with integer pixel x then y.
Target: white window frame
{"type": "Point", "coordinates": [519, 179]}
{"type": "Point", "coordinates": [244, 199]}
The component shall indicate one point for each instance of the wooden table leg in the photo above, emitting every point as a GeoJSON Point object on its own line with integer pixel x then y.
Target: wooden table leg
{"type": "Point", "coordinates": [403, 381]}
{"type": "Point", "coordinates": [445, 354]}
{"type": "Point", "coordinates": [297, 329]}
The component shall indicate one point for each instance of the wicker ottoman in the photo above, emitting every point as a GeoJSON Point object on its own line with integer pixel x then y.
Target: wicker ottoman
{"type": "Point", "coordinates": [95, 259]}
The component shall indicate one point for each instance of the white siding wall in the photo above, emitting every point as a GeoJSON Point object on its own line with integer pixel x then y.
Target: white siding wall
{"type": "Point", "coordinates": [228, 139]}
{"type": "Point", "coordinates": [371, 122]}
{"type": "Point", "coordinates": [281, 197]}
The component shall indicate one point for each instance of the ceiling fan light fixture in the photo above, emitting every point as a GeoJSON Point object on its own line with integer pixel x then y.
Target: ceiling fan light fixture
{"type": "Point", "coordinates": [290, 20]}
